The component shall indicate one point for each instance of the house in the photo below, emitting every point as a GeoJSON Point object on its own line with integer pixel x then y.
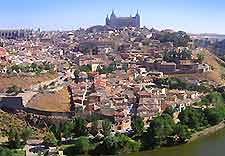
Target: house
{"type": "Point", "coordinates": [78, 93]}
{"type": "Point", "coordinates": [148, 105]}
{"type": "Point", "coordinates": [164, 67]}
{"type": "Point", "coordinates": [4, 56]}
{"type": "Point", "coordinates": [100, 82]}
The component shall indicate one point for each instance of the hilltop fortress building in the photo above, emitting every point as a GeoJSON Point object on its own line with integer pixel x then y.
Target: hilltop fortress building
{"type": "Point", "coordinates": [120, 22]}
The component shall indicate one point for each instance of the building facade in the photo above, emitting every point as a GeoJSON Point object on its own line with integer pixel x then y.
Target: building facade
{"type": "Point", "coordinates": [15, 34]}
{"type": "Point", "coordinates": [120, 22]}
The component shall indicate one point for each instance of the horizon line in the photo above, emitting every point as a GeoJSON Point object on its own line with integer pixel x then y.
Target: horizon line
{"type": "Point", "coordinates": [86, 27]}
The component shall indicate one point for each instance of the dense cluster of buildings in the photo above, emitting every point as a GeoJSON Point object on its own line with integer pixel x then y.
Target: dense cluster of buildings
{"type": "Point", "coordinates": [110, 71]}
{"type": "Point", "coordinates": [15, 34]}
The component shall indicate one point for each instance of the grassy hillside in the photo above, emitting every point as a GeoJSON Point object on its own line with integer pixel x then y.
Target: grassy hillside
{"type": "Point", "coordinates": [8, 120]}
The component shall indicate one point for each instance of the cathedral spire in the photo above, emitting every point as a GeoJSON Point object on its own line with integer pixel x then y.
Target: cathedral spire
{"type": "Point", "coordinates": [107, 20]}
{"type": "Point", "coordinates": [113, 14]}
{"type": "Point", "coordinates": [137, 14]}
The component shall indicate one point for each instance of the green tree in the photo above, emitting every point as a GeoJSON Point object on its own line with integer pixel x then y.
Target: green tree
{"type": "Point", "coordinates": [174, 56]}
{"type": "Point", "coordinates": [179, 39]}
{"type": "Point", "coordinates": [15, 68]}
{"type": "Point", "coordinates": [106, 127]}
{"type": "Point", "coordinates": [200, 57]}
{"type": "Point", "coordinates": [159, 130]}
{"type": "Point", "coordinates": [120, 143]}
{"type": "Point", "coordinates": [68, 129]}
{"type": "Point", "coordinates": [109, 146]}
{"type": "Point", "coordinates": [107, 69]}
{"type": "Point", "coordinates": [5, 152]}
{"type": "Point", "coordinates": [125, 67]}
{"type": "Point", "coordinates": [94, 128]}
{"type": "Point", "coordinates": [137, 125]}
{"type": "Point", "coordinates": [80, 127]}
{"type": "Point", "coordinates": [171, 56]}
{"type": "Point", "coordinates": [81, 146]}
{"type": "Point", "coordinates": [50, 139]}
{"type": "Point", "coordinates": [127, 145]}
{"type": "Point", "coordinates": [57, 130]}
{"type": "Point", "coordinates": [214, 115]}
{"type": "Point", "coordinates": [214, 98]}
{"type": "Point", "coordinates": [185, 54]}
{"type": "Point", "coordinates": [14, 138]}
{"type": "Point", "coordinates": [193, 118]}
{"type": "Point", "coordinates": [26, 134]}
{"type": "Point", "coordinates": [85, 68]}
{"type": "Point", "coordinates": [182, 132]}
{"type": "Point", "coordinates": [76, 75]}
{"type": "Point", "coordinates": [169, 110]}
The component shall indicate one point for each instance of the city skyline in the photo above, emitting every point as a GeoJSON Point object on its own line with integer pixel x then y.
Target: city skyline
{"type": "Point", "coordinates": [192, 16]}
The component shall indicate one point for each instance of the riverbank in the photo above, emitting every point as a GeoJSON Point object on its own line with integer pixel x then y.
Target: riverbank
{"type": "Point", "coordinates": [207, 131]}
{"type": "Point", "coordinates": [209, 145]}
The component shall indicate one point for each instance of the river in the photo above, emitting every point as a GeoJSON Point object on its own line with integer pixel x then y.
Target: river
{"type": "Point", "coordinates": [212, 145]}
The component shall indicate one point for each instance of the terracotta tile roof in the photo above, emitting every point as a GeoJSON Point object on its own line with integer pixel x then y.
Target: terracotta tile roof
{"type": "Point", "coordinates": [2, 52]}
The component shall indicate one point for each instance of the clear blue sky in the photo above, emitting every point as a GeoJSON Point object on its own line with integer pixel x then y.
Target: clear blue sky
{"type": "Point", "coordinates": [196, 16]}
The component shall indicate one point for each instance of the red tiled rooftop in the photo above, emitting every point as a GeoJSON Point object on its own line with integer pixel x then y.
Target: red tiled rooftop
{"type": "Point", "coordinates": [2, 52]}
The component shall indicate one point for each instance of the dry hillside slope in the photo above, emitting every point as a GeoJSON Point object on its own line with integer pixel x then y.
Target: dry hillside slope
{"type": "Point", "coordinates": [217, 73]}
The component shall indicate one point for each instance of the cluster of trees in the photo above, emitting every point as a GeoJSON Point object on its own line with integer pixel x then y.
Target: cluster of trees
{"type": "Point", "coordinates": [17, 138]}
{"type": "Point", "coordinates": [193, 118]}
{"type": "Point", "coordinates": [107, 69]}
{"type": "Point", "coordinates": [175, 56]}
{"type": "Point", "coordinates": [213, 114]}
{"type": "Point", "coordinates": [74, 129]}
{"type": "Point", "coordinates": [176, 83]}
{"type": "Point", "coordinates": [179, 39]}
{"type": "Point", "coordinates": [137, 126]}
{"type": "Point", "coordinates": [117, 144]}
{"type": "Point", "coordinates": [31, 68]}
{"type": "Point", "coordinates": [162, 131]}
{"type": "Point", "coordinates": [57, 131]}
{"type": "Point", "coordinates": [109, 145]}
{"type": "Point", "coordinates": [215, 99]}
{"type": "Point", "coordinates": [8, 152]}
{"type": "Point", "coordinates": [85, 68]}
{"type": "Point", "coordinates": [82, 143]}
{"type": "Point", "coordinates": [101, 70]}
{"type": "Point", "coordinates": [81, 146]}
{"type": "Point", "coordinates": [198, 119]}
{"type": "Point", "coordinates": [89, 48]}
